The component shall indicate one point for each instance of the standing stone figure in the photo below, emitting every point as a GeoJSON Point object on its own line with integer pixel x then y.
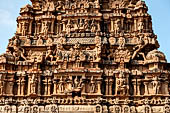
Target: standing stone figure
{"type": "Point", "coordinates": [140, 26]}
{"type": "Point", "coordinates": [24, 29]}
{"type": "Point", "coordinates": [117, 26]}
{"type": "Point", "coordinates": [33, 84]}
{"type": "Point", "coordinates": [156, 85]}
{"type": "Point", "coordinates": [92, 85]}
{"type": "Point", "coordinates": [61, 85]}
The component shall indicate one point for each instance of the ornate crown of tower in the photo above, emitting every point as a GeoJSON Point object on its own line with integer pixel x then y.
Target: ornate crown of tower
{"type": "Point", "coordinates": [84, 56]}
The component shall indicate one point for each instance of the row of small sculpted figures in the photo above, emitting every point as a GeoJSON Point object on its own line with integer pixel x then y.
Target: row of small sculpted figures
{"type": "Point", "coordinates": [41, 41]}
{"type": "Point", "coordinates": [84, 109]}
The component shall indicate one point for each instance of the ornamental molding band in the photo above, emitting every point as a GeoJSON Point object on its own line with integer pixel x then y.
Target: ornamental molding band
{"type": "Point", "coordinates": [84, 56]}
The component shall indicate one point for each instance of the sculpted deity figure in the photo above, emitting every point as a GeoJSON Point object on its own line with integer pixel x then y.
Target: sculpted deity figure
{"type": "Point", "coordinates": [141, 44]}
{"type": "Point", "coordinates": [92, 85]}
{"type": "Point", "coordinates": [24, 29]}
{"type": "Point", "coordinates": [121, 83]}
{"type": "Point", "coordinates": [117, 26]}
{"type": "Point", "coordinates": [58, 55]}
{"type": "Point", "coordinates": [93, 26]}
{"type": "Point", "coordinates": [140, 26]}
{"type": "Point", "coordinates": [40, 57]}
{"type": "Point", "coordinates": [86, 25]}
{"type": "Point", "coordinates": [81, 24]}
{"type": "Point", "coordinates": [112, 40]}
{"type": "Point", "coordinates": [49, 41]}
{"type": "Point", "coordinates": [48, 5]}
{"type": "Point", "coordinates": [16, 41]}
{"type": "Point", "coordinates": [61, 40]}
{"type": "Point", "coordinates": [82, 56]}
{"type": "Point", "coordinates": [76, 82]}
{"type": "Point", "coordinates": [111, 55]}
{"type": "Point", "coordinates": [61, 85]}
{"type": "Point", "coordinates": [156, 85]}
{"type": "Point", "coordinates": [121, 42]}
{"type": "Point", "coordinates": [59, 5]}
{"type": "Point", "coordinates": [82, 8]}
{"type": "Point", "coordinates": [33, 84]}
{"type": "Point", "coordinates": [27, 42]}
{"type": "Point", "coordinates": [68, 27]}
{"type": "Point", "coordinates": [45, 27]}
{"type": "Point", "coordinates": [98, 40]}
{"type": "Point", "coordinates": [40, 41]}
{"type": "Point", "coordinates": [75, 26]}
{"type": "Point", "coordinates": [19, 53]}
{"type": "Point", "coordinates": [49, 54]}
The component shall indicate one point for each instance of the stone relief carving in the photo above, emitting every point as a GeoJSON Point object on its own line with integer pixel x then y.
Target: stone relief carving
{"type": "Point", "coordinates": [84, 56]}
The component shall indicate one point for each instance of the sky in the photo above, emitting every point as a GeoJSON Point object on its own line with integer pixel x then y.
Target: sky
{"type": "Point", "coordinates": [158, 9]}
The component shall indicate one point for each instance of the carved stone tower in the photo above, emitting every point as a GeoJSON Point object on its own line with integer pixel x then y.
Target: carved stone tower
{"type": "Point", "coordinates": [84, 56]}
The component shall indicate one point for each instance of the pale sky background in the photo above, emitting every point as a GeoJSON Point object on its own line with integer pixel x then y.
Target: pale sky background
{"type": "Point", "coordinates": [159, 10]}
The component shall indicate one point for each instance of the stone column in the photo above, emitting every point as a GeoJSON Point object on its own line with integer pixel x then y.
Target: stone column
{"type": "Point", "coordinates": [64, 26]}
{"type": "Point", "coordinates": [1, 87]}
{"type": "Point", "coordinates": [20, 28]}
{"type": "Point", "coordinates": [147, 25]}
{"type": "Point", "coordinates": [110, 86]}
{"type": "Point", "coordinates": [10, 88]}
{"type": "Point", "coordinates": [146, 88]}
{"type": "Point", "coordinates": [39, 85]}
{"type": "Point", "coordinates": [60, 28]}
{"type": "Point", "coordinates": [30, 27]}
{"type": "Point", "coordinates": [122, 23]}
{"type": "Point", "coordinates": [52, 26]}
{"type": "Point", "coordinates": [134, 87]}
{"type": "Point", "coordinates": [55, 87]}
{"type": "Point", "coordinates": [22, 86]}
{"type": "Point", "coordinates": [57, 28]}
{"type": "Point", "coordinates": [19, 87]}
{"type": "Point", "coordinates": [49, 86]}
{"type": "Point", "coordinates": [38, 27]}
{"type": "Point", "coordinates": [29, 90]}
{"type": "Point", "coordinates": [98, 25]}
{"type": "Point", "coordinates": [71, 83]}
{"type": "Point", "coordinates": [112, 25]}
{"type": "Point", "coordinates": [138, 87]}
{"type": "Point", "coordinates": [46, 86]}
{"type": "Point", "coordinates": [107, 86]}
{"type": "Point", "coordinates": [135, 25]}
{"type": "Point", "coordinates": [99, 86]}
{"type": "Point", "coordinates": [166, 88]}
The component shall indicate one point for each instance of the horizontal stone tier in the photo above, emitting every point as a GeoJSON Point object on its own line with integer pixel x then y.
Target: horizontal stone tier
{"type": "Point", "coordinates": [52, 108]}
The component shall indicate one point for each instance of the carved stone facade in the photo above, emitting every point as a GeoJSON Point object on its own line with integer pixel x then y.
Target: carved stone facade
{"type": "Point", "coordinates": [84, 56]}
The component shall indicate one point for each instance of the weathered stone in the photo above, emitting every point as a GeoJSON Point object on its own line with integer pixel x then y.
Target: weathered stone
{"type": "Point", "coordinates": [84, 56]}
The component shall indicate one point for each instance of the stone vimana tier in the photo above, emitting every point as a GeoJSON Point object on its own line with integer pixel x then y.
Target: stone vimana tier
{"type": "Point", "coordinates": [84, 56]}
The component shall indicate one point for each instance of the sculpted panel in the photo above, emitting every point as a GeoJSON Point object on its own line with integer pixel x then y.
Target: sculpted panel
{"type": "Point", "coordinates": [84, 56]}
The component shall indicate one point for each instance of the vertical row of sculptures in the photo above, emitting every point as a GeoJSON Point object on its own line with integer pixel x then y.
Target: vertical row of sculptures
{"type": "Point", "coordinates": [85, 52]}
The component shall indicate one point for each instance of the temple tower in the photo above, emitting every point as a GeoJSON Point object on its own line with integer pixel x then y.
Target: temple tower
{"type": "Point", "coordinates": [84, 56]}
